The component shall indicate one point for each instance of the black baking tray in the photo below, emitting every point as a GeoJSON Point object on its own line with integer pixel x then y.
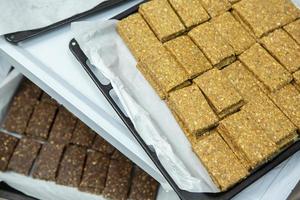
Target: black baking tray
{"type": "Point", "coordinates": [20, 36]}
{"type": "Point", "coordinates": [184, 195]}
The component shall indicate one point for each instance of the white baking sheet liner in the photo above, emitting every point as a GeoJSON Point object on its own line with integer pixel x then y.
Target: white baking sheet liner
{"type": "Point", "coordinates": [20, 15]}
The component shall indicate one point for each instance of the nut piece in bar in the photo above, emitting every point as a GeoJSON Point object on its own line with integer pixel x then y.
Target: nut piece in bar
{"type": "Point", "coordinates": [162, 19]}
{"type": "Point", "coordinates": [268, 116]}
{"type": "Point", "coordinates": [137, 35]}
{"type": "Point", "coordinates": [8, 144]}
{"type": "Point", "coordinates": [191, 107]}
{"type": "Point", "coordinates": [46, 98]}
{"type": "Point", "coordinates": [82, 135]}
{"type": "Point", "coordinates": [47, 163]}
{"type": "Point", "coordinates": [248, 141]}
{"type": "Point", "coordinates": [294, 30]}
{"type": "Point", "coordinates": [288, 100]}
{"type": "Point", "coordinates": [233, 32]}
{"type": "Point", "coordinates": [263, 17]}
{"type": "Point", "coordinates": [188, 55]}
{"type": "Point", "coordinates": [63, 127]}
{"type": "Point", "coordinates": [215, 8]}
{"type": "Point", "coordinates": [18, 115]}
{"type": "Point", "coordinates": [102, 145]}
{"type": "Point", "coordinates": [143, 186]}
{"type": "Point", "coordinates": [213, 45]}
{"type": "Point", "coordinates": [41, 120]}
{"type": "Point", "coordinates": [221, 163]}
{"type": "Point", "coordinates": [118, 180]}
{"type": "Point", "coordinates": [296, 76]}
{"type": "Point", "coordinates": [165, 70]}
{"type": "Point", "coordinates": [71, 166]}
{"type": "Point", "coordinates": [190, 12]}
{"type": "Point", "coordinates": [94, 173]}
{"type": "Point", "coordinates": [220, 92]}
{"type": "Point", "coordinates": [272, 74]}
{"type": "Point", "coordinates": [149, 77]}
{"type": "Point", "coordinates": [24, 156]}
{"type": "Point", "coordinates": [283, 48]}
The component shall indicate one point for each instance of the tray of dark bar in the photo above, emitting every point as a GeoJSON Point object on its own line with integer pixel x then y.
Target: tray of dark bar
{"type": "Point", "coordinates": [20, 36]}
{"type": "Point", "coordinates": [286, 147]}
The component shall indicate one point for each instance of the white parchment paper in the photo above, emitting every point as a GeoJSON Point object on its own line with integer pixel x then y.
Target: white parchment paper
{"type": "Point", "coordinates": [19, 15]}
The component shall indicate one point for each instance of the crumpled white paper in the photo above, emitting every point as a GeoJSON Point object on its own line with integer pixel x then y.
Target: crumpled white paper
{"type": "Point", "coordinates": [19, 15]}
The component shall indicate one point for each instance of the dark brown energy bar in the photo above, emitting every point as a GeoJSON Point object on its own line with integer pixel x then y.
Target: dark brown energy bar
{"type": "Point", "coordinates": [7, 146]}
{"type": "Point", "coordinates": [48, 162]}
{"type": "Point", "coordinates": [71, 166]}
{"type": "Point", "coordinates": [24, 156]}
{"type": "Point", "coordinates": [82, 135]}
{"type": "Point", "coordinates": [101, 145]}
{"type": "Point", "coordinates": [46, 98]}
{"type": "Point", "coordinates": [95, 171]}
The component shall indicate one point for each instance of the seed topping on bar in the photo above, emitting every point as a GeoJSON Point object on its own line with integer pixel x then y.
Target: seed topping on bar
{"type": "Point", "coordinates": [212, 44]}
{"type": "Point", "coordinates": [8, 144]}
{"type": "Point", "coordinates": [265, 68]}
{"type": "Point", "coordinates": [220, 92]}
{"type": "Point", "coordinates": [82, 135]}
{"type": "Point", "coordinates": [215, 8]}
{"type": "Point", "coordinates": [102, 145]}
{"type": "Point", "coordinates": [188, 55]}
{"type": "Point", "coordinates": [294, 30]}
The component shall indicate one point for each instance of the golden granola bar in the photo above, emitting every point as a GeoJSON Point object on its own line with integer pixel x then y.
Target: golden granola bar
{"type": "Point", "coordinates": [294, 30]}
{"type": "Point", "coordinates": [215, 8]}
{"type": "Point", "coordinates": [296, 76]}
{"type": "Point", "coordinates": [265, 68]}
{"type": "Point", "coordinates": [288, 100]}
{"type": "Point", "coordinates": [137, 35]}
{"type": "Point", "coordinates": [268, 116]}
{"type": "Point", "coordinates": [190, 12]}
{"type": "Point", "coordinates": [284, 48]}
{"type": "Point", "coordinates": [242, 132]}
{"type": "Point", "coordinates": [192, 108]}
{"type": "Point", "coordinates": [162, 19]}
{"type": "Point", "coordinates": [221, 163]}
{"type": "Point", "coordinates": [233, 32]}
{"type": "Point", "coordinates": [243, 80]}
{"type": "Point", "coordinates": [165, 70]}
{"type": "Point", "coordinates": [220, 92]}
{"type": "Point", "coordinates": [188, 55]}
{"type": "Point", "coordinates": [264, 16]}
{"type": "Point", "coordinates": [213, 45]}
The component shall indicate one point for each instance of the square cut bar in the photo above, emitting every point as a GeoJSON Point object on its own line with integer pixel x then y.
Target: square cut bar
{"type": "Point", "coordinates": [265, 16]}
{"type": "Point", "coordinates": [294, 30]}
{"type": "Point", "coordinates": [94, 173]}
{"type": "Point", "coordinates": [149, 77]}
{"type": "Point", "coordinates": [24, 156]}
{"type": "Point", "coordinates": [188, 55]}
{"type": "Point", "coordinates": [7, 146]}
{"type": "Point", "coordinates": [137, 35]}
{"type": "Point", "coordinates": [63, 127]}
{"type": "Point", "coordinates": [83, 135]}
{"type": "Point", "coordinates": [102, 145]}
{"type": "Point", "coordinates": [18, 115]}
{"type": "Point", "coordinates": [118, 180]}
{"type": "Point", "coordinates": [71, 166]}
{"type": "Point", "coordinates": [233, 32]}
{"type": "Point", "coordinates": [190, 12]}
{"type": "Point", "coordinates": [47, 163]}
{"type": "Point", "coordinates": [249, 141]}
{"type": "Point", "coordinates": [265, 68]}
{"type": "Point", "coordinates": [220, 93]}
{"type": "Point", "coordinates": [165, 70]}
{"type": "Point", "coordinates": [288, 100]}
{"type": "Point", "coordinates": [268, 116]}
{"type": "Point", "coordinates": [296, 76]}
{"type": "Point", "coordinates": [213, 45]}
{"type": "Point", "coordinates": [214, 7]}
{"type": "Point", "coordinates": [143, 186]}
{"type": "Point", "coordinates": [284, 48]}
{"type": "Point", "coordinates": [162, 19]}
{"type": "Point", "coordinates": [221, 163]}
{"type": "Point", "coordinates": [192, 108]}
{"type": "Point", "coordinates": [41, 120]}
